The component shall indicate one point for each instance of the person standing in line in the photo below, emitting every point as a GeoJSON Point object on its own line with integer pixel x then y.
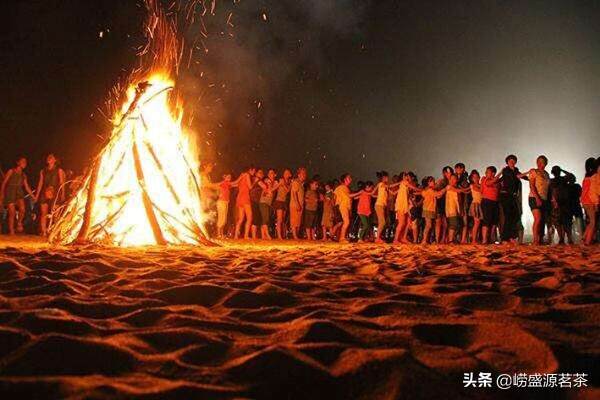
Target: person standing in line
{"type": "Point", "coordinates": [311, 206]}
{"type": "Point", "coordinates": [12, 194]}
{"type": "Point", "coordinates": [381, 192]}
{"type": "Point", "coordinates": [475, 210]}
{"type": "Point", "coordinates": [539, 182]}
{"type": "Point", "coordinates": [281, 204]}
{"type": "Point", "coordinates": [343, 201]}
{"type": "Point", "coordinates": [454, 208]}
{"type": "Point", "coordinates": [50, 190]}
{"type": "Point", "coordinates": [297, 202]}
{"type": "Point", "coordinates": [255, 194]}
{"type": "Point", "coordinates": [364, 210]}
{"type": "Point", "coordinates": [269, 186]}
{"type": "Point", "coordinates": [243, 203]}
{"type": "Point", "coordinates": [223, 204]}
{"type": "Point", "coordinates": [403, 206]}
{"type": "Point", "coordinates": [430, 195]}
{"type": "Point", "coordinates": [510, 184]}
{"type": "Point", "coordinates": [440, 222]}
{"type": "Point", "coordinates": [490, 190]}
{"type": "Point", "coordinates": [590, 197]}
{"type": "Point", "coordinates": [561, 215]}
{"type": "Point", "coordinates": [328, 212]}
{"type": "Point", "coordinates": [465, 199]}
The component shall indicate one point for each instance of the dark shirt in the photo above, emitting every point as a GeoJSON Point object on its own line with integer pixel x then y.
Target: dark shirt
{"type": "Point", "coordinates": [510, 182]}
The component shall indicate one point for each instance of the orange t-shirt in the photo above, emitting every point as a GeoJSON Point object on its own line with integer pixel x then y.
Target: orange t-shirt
{"type": "Point", "coordinates": [364, 204]}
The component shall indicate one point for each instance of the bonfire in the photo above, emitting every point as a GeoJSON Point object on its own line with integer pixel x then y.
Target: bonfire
{"type": "Point", "coordinates": [143, 188]}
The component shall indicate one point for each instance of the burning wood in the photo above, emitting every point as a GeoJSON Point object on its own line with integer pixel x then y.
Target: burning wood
{"type": "Point", "coordinates": [143, 188]}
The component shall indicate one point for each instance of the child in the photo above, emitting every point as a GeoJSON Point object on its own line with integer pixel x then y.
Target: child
{"type": "Point", "coordinates": [223, 204]}
{"type": "Point", "coordinates": [416, 212]}
{"type": "Point", "coordinates": [589, 200]}
{"type": "Point", "coordinates": [297, 202]}
{"type": "Point", "coordinates": [430, 196]}
{"type": "Point", "coordinates": [281, 203]}
{"type": "Point", "coordinates": [311, 204]}
{"type": "Point", "coordinates": [327, 217]}
{"type": "Point", "coordinates": [475, 211]}
{"type": "Point", "coordinates": [465, 199]}
{"type": "Point", "coordinates": [403, 207]}
{"type": "Point", "coordinates": [364, 210]}
{"type": "Point", "coordinates": [269, 186]}
{"type": "Point", "coordinates": [244, 206]}
{"type": "Point", "coordinates": [561, 215]}
{"type": "Point", "coordinates": [454, 208]}
{"type": "Point", "coordinates": [343, 200]}
{"type": "Point", "coordinates": [441, 223]}
{"type": "Point", "coordinates": [490, 190]}
{"type": "Point", "coordinates": [255, 195]}
{"type": "Point", "coordinates": [381, 192]}
{"type": "Point", "coordinates": [539, 181]}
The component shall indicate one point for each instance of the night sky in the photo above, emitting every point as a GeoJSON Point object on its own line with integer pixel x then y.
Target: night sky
{"type": "Point", "coordinates": [338, 86]}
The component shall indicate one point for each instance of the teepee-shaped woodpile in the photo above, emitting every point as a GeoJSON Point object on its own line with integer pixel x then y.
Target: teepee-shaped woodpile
{"type": "Point", "coordinates": [143, 188]}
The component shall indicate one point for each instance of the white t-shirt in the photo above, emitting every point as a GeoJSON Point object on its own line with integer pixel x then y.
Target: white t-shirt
{"type": "Point", "coordinates": [452, 204]}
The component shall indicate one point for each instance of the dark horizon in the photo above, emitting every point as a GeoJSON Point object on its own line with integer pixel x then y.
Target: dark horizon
{"type": "Point", "coordinates": [342, 87]}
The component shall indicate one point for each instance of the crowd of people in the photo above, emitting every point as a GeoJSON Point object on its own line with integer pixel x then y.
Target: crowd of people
{"type": "Point", "coordinates": [458, 207]}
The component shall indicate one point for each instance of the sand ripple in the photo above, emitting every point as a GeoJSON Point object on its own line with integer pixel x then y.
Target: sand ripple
{"type": "Point", "coordinates": [292, 320]}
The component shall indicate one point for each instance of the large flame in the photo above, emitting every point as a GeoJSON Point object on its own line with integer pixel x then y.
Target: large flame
{"type": "Point", "coordinates": [144, 186]}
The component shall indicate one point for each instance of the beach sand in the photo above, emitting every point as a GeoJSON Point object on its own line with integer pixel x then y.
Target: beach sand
{"type": "Point", "coordinates": [294, 320]}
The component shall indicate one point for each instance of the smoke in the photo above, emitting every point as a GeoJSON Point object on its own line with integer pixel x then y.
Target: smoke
{"type": "Point", "coordinates": [248, 55]}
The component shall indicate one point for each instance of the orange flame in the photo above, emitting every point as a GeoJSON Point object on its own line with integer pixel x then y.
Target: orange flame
{"type": "Point", "coordinates": [144, 187]}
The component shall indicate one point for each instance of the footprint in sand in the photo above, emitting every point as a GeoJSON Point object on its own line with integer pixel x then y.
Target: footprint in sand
{"type": "Point", "coordinates": [502, 347]}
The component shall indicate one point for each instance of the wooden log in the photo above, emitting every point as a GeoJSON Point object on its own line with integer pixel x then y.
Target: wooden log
{"type": "Point", "coordinates": [89, 204]}
{"type": "Point", "coordinates": [156, 231]}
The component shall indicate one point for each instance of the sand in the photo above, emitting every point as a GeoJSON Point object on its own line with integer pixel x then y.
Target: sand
{"type": "Point", "coordinates": [294, 320]}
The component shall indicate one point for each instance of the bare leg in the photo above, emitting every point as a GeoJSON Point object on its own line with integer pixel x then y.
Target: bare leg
{"type": "Point", "coordinates": [438, 228]}
{"type": "Point", "coordinates": [43, 219]}
{"type": "Point", "coordinates": [427, 231]}
{"type": "Point", "coordinates": [248, 212]}
{"type": "Point", "coordinates": [451, 235]}
{"type": "Point", "coordinates": [239, 222]}
{"type": "Point", "coordinates": [20, 204]}
{"type": "Point", "coordinates": [537, 220]}
{"type": "Point", "coordinates": [12, 212]}
{"type": "Point", "coordinates": [345, 225]}
{"type": "Point", "coordinates": [400, 227]}
{"type": "Point", "coordinates": [279, 223]}
{"type": "Point", "coordinates": [265, 232]}
{"type": "Point", "coordinates": [465, 230]}
{"type": "Point", "coordinates": [475, 233]}
{"type": "Point", "coordinates": [485, 231]}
